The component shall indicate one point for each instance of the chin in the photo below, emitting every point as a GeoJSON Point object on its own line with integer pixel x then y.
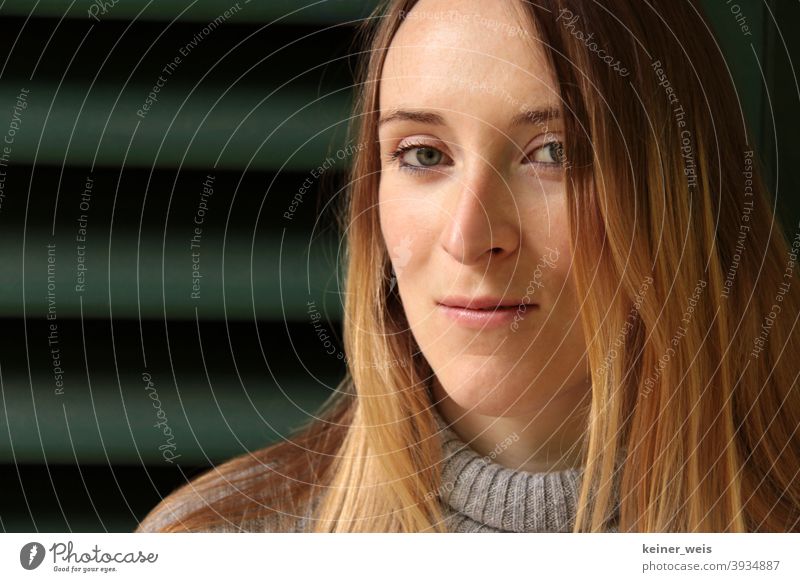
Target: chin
{"type": "Point", "coordinates": [483, 396]}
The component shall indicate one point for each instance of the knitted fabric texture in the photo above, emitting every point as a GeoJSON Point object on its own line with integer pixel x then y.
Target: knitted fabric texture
{"type": "Point", "coordinates": [480, 495]}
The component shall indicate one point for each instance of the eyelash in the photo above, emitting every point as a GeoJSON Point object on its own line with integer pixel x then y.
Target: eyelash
{"type": "Point", "coordinates": [396, 157]}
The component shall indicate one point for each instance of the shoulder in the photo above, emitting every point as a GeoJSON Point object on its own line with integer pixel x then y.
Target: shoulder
{"type": "Point", "coordinates": [203, 505]}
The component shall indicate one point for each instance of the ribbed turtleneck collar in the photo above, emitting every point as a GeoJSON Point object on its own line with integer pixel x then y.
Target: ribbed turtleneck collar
{"type": "Point", "coordinates": [484, 496]}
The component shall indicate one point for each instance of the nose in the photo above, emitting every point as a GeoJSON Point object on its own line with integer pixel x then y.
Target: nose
{"type": "Point", "coordinates": [481, 217]}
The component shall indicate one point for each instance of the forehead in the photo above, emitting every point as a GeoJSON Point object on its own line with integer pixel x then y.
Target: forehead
{"type": "Point", "coordinates": [459, 54]}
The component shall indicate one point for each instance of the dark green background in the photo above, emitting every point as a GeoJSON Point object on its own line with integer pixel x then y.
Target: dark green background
{"type": "Point", "coordinates": [258, 103]}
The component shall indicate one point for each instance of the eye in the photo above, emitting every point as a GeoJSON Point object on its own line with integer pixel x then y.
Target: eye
{"type": "Point", "coordinates": [417, 157]}
{"type": "Point", "coordinates": [422, 156]}
{"type": "Point", "coordinates": [550, 153]}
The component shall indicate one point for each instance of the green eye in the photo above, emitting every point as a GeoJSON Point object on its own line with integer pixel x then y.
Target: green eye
{"type": "Point", "coordinates": [550, 153]}
{"type": "Point", "coordinates": [418, 158]}
{"type": "Point", "coordinates": [428, 156]}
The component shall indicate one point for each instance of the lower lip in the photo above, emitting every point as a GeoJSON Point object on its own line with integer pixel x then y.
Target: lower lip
{"type": "Point", "coordinates": [486, 318]}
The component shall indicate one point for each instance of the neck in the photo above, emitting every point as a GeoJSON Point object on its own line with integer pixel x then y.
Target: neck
{"type": "Point", "coordinates": [544, 441]}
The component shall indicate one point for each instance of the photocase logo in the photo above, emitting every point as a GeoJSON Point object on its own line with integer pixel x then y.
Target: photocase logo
{"type": "Point", "coordinates": [31, 555]}
{"type": "Point", "coordinates": [400, 256]}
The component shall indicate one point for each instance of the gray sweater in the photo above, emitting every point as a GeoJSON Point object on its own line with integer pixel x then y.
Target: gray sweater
{"type": "Point", "coordinates": [480, 495]}
{"type": "Point", "coordinates": [477, 495]}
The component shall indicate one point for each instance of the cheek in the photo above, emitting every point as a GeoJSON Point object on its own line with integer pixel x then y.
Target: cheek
{"type": "Point", "coordinates": [561, 295]}
{"type": "Point", "coordinates": [548, 241]}
{"type": "Point", "coordinates": [407, 228]}
{"type": "Point", "coordinates": [391, 213]}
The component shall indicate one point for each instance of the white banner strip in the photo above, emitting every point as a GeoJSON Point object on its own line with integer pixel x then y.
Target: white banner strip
{"type": "Point", "coordinates": [382, 557]}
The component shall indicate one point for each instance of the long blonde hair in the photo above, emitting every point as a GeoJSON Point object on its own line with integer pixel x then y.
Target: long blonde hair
{"type": "Point", "coordinates": [690, 311]}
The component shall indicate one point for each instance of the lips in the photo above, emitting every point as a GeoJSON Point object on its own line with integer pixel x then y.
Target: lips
{"type": "Point", "coordinates": [485, 313]}
{"type": "Point", "coordinates": [480, 303]}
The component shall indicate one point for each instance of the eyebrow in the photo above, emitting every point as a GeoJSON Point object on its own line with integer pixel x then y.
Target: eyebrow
{"type": "Point", "coordinates": [539, 116]}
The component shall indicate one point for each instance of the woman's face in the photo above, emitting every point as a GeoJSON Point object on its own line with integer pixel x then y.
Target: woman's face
{"type": "Point", "coordinates": [473, 207]}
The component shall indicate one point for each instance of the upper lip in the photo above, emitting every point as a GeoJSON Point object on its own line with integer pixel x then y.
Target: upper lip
{"type": "Point", "coordinates": [478, 302]}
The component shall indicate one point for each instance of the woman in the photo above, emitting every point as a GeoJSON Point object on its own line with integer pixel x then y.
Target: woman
{"type": "Point", "coordinates": [559, 238]}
